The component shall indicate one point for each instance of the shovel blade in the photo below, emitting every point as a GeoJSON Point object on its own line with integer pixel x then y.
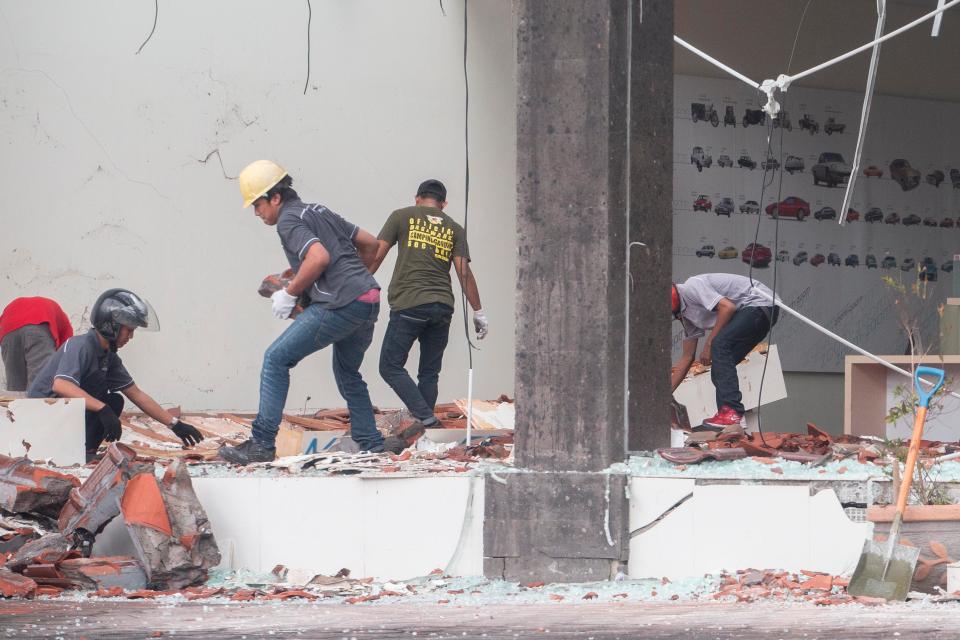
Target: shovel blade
{"type": "Point", "coordinates": [873, 577]}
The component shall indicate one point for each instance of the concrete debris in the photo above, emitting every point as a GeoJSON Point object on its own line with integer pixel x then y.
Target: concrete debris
{"type": "Point", "coordinates": [169, 528]}
{"type": "Point", "coordinates": [13, 585]}
{"type": "Point", "coordinates": [110, 572]}
{"type": "Point", "coordinates": [46, 549]}
{"type": "Point", "coordinates": [814, 448]}
{"type": "Point", "coordinates": [97, 501]}
{"type": "Point", "coordinates": [28, 488]}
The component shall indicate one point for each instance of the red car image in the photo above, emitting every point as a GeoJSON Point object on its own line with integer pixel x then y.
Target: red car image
{"type": "Point", "coordinates": [947, 223]}
{"type": "Point", "coordinates": [758, 254]}
{"type": "Point", "coordinates": [852, 215]}
{"type": "Point", "coordinates": [817, 260]}
{"type": "Point", "coordinates": [702, 203]}
{"type": "Point", "coordinates": [791, 207]}
{"type": "Point", "coordinates": [873, 172]}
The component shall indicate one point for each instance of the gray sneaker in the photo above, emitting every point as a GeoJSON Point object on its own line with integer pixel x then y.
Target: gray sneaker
{"type": "Point", "coordinates": [248, 452]}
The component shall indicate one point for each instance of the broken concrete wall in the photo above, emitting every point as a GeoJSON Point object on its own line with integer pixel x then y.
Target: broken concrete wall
{"type": "Point", "coordinates": [169, 528]}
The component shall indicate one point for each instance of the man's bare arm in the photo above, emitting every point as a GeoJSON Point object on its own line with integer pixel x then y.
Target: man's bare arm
{"type": "Point", "coordinates": [679, 370]}
{"type": "Point", "coordinates": [67, 389]}
{"type": "Point", "coordinates": [467, 282]}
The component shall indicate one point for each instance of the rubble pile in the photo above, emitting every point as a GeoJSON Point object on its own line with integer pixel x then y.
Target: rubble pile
{"type": "Point", "coordinates": [814, 448]}
{"type": "Point", "coordinates": [167, 525]}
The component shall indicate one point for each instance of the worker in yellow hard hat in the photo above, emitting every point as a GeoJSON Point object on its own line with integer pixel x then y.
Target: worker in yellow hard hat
{"type": "Point", "coordinates": [330, 257]}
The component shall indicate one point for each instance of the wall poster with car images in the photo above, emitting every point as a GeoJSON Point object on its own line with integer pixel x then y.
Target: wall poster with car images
{"type": "Point", "coordinates": [903, 222]}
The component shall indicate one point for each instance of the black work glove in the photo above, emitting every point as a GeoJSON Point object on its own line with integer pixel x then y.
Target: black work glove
{"type": "Point", "coordinates": [110, 422]}
{"type": "Point", "coordinates": [186, 432]}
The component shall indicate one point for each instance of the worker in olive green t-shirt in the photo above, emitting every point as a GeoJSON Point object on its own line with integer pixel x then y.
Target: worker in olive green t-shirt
{"type": "Point", "coordinates": [421, 297]}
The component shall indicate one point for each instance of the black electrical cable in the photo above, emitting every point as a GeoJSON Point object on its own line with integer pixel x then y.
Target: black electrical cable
{"type": "Point", "coordinates": [776, 231]}
{"type": "Point", "coordinates": [466, 184]}
{"type": "Point", "coordinates": [309, 19]}
{"type": "Point", "coordinates": [156, 12]}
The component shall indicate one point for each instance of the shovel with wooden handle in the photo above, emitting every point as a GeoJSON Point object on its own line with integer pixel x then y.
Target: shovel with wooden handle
{"type": "Point", "coordinates": [886, 570]}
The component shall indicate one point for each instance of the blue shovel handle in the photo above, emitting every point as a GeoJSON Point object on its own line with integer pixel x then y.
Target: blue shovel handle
{"type": "Point", "coordinates": [922, 393]}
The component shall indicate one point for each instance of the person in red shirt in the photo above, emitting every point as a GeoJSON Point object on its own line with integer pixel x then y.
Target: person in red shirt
{"type": "Point", "coordinates": [31, 330]}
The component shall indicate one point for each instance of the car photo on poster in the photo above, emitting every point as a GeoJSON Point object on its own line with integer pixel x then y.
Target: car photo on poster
{"type": "Point", "coordinates": [817, 260]}
{"type": "Point", "coordinates": [728, 253]}
{"type": "Point", "coordinates": [947, 223]}
{"type": "Point", "coordinates": [706, 251]}
{"type": "Point", "coordinates": [930, 222]}
{"type": "Point", "coordinates": [853, 260]}
{"type": "Point", "coordinates": [826, 213]}
{"type": "Point", "coordinates": [935, 177]}
{"type": "Point", "coordinates": [702, 203]}
{"type": "Point", "coordinates": [852, 215]}
{"type": "Point", "coordinates": [873, 172]}
{"type": "Point", "coordinates": [700, 111]}
{"type": "Point", "coordinates": [800, 258]}
{"type": "Point", "coordinates": [770, 164]}
{"type": "Point", "coordinates": [928, 270]}
{"type": "Point", "coordinates": [830, 170]}
{"type": "Point", "coordinates": [889, 262]}
{"type": "Point", "coordinates": [911, 220]}
{"type": "Point", "coordinates": [724, 161]}
{"type": "Point", "coordinates": [892, 218]}
{"type": "Point", "coordinates": [955, 178]}
{"type": "Point", "coordinates": [749, 207]}
{"type": "Point", "coordinates": [831, 126]}
{"type": "Point", "coordinates": [871, 261]}
{"type": "Point", "coordinates": [757, 255]}
{"type": "Point", "coordinates": [907, 264]}
{"type": "Point", "coordinates": [746, 162]}
{"type": "Point", "coordinates": [947, 266]}
{"type": "Point", "coordinates": [807, 123]}
{"type": "Point", "coordinates": [833, 260]}
{"type": "Point", "coordinates": [700, 158]}
{"type": "Point", "coordinates": [724, 207]}
{"type": "Point", "coordinates": [783, 255]}
{"type": "Point", "coordinates": [791, 207]}
{"type": "Point", "coordinates": [793, 164]}
{"type": "Point", "coordinates": [874, 214]}
{"type": "Point", "coordinates": [903, 174]}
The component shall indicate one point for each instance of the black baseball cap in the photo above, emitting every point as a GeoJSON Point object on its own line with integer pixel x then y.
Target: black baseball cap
{"type": "Point", "coordinates": [432, 189]}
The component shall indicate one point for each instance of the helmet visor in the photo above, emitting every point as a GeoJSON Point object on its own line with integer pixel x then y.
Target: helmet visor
{"type": "Point", "coordinates": [130, 310]}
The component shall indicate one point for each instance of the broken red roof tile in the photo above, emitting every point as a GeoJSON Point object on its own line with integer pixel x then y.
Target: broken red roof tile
{"type": "Point", "coordinates": [293, 593]}
{"type": "Point", "coordinates": [590, 595]}
{"type": "Point", "coordinates": [29, 488]}
{"type": "Point", "coordinates": [112, 592]}
{"type": "Point", "coordinates": [13, 585]}
{"type": "Point", "coordinates": [97, 501]}
{"type": "Point", "coordinates": [142, 504]}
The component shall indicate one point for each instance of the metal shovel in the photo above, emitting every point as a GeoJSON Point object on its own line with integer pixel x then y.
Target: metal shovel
{"type": "Point", "coordinates": [886, 569]}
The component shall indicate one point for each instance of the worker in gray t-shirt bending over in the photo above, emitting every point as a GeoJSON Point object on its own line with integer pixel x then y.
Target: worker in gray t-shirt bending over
{"type": "Point", "coordinates": [330, 257]}
{"type": "Point", "coordinates": [726, 309]}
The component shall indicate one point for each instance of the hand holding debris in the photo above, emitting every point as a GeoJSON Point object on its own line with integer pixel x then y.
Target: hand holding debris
{"type": "Point", "coordinates": [480, 323]}
{"type": "Point", "coordinates": [283, 304]}
{"type": "Point", "coordinates": [186, 432]}
{"type": "Point", "coordinates": [110, 422]}
{"type": "Point", "coordinates": [705, 357]}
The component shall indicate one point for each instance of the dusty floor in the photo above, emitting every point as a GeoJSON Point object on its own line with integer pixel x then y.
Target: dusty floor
{"type": "Point", "coordinates": [687, 620]}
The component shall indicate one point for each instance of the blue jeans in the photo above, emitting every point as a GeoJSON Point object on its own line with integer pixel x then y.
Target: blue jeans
{"type": "Point", "coordinates": [350, 330]}
{"type": "Point", "coordinates": [747, 327]}
{"type": "Point", "coordinates": [430, 324]}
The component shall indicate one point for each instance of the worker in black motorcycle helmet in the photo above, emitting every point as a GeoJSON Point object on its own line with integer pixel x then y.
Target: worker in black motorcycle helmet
{"type": "Point", "coordinates": [88, 367]}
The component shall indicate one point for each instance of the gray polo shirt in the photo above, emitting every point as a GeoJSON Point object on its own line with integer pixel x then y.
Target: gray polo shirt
{"type": "Point", "coordinates": [82, 361]}
{"type": "Point", "coordinates": [346, 277]}
{"type": "Point", "coordinates": [700, 295]}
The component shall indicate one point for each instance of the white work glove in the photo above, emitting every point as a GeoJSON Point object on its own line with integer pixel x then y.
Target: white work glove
{"type": "Point", "coordinates": [480, 324]}
{"type": "Point", "coordinates": [283, 304]}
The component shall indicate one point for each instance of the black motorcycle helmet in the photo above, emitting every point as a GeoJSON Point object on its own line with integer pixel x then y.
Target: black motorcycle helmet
{"type": "Point", "coordinates": [117, 308]}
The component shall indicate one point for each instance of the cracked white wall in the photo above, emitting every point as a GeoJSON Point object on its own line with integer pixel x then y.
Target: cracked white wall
{"type": "Point", "coordinates": [116, 168]}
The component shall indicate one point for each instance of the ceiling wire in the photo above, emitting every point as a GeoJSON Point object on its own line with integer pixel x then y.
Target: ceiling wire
{"type": "Point", "coordinates": [156, 12]}
{"type": "Point", "coordinates": [306, 82]}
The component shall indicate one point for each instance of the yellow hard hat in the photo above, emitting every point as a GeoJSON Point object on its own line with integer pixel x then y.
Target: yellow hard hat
{"type": "Point", "coordinates": [257, 178]}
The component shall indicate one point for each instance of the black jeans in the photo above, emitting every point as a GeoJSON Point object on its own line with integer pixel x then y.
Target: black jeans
{"type": "Point", "coordinates": [94, 428]}
{"type": "Point", "coordinates": [745, 330]}
{"type": "Point", "coordinates": [430, 324]}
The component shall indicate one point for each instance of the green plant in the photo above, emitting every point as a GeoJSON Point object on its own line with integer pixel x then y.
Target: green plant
{"type": "Point", "coordinates": [925, 488]}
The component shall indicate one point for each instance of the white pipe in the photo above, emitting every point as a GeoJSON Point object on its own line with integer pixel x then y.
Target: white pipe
{"type": "Point", "coordinates": [936, 21]}
{"type": "Point", "coordinates": [865, 113]}
{"type": "Point", "coordinates": [847, 343]}
{"type": "Point", "coordinates": [714, 61]}
{"type": "Point", "coordinates": [469, 406]}
{"type": "Point", "coordinates": [910, 25]}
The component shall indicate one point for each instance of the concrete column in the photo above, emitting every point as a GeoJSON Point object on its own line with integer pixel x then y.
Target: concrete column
{"type": "Point", "coordinates": [594, 170]}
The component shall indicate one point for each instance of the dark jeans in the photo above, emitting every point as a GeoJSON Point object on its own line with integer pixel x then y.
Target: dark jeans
{"type": "Point", "coordinates": [745, 330]}
{"type": "Point", "coordinates": [94, 428]}
{"type": "Point", "coordinates": [350, 330]}
{"type": "Point", "coordinates": [430, 324]}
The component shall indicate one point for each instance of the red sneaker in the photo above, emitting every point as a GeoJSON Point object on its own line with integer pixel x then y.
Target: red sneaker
{"type": "Point", "coordinates": [725, 417]}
